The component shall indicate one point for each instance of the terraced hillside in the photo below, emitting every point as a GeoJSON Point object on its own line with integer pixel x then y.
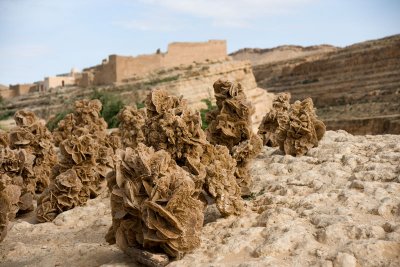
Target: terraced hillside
{"type": "Point", "coordinates": [193, 81]}
{"type": "Point", "coordinates": [355, 88]}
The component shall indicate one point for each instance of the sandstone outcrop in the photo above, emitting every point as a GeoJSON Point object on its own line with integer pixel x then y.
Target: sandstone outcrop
{"type": "Point", "coordinates": [355, 88]}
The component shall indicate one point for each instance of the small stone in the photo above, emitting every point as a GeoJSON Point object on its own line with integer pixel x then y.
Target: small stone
{"type": "Point", "coordinates": [356, 184]}
{"type": "Point", "coordinates": [345, 260]}
{"type": "Point", "coordinates": [388, 227]}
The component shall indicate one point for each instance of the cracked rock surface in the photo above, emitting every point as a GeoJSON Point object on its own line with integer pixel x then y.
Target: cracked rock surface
{"type": "Point", "coordinates": [339, 205]}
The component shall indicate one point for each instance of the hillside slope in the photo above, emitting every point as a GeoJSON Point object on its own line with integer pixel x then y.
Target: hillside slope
{"type": "Point", "coordinates": [355, 88]}
{"type": "Point", "coordinates": [193, 81]}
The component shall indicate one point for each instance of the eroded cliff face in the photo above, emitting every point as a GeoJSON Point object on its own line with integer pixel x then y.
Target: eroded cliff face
{"type": "Point", "coordinates": [355, 88]}
{"type": "Point", "coordinates": [193, 81]}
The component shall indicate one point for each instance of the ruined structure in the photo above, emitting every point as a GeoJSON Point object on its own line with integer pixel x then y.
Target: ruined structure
{"type": "Point", "coordinates": [116, 68]}
{"type": "Point", "coordinates": [194, 81]}
{"type": "Point", "coordinates": [61, 80]}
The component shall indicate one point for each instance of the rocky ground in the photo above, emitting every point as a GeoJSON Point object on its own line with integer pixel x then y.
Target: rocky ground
{"type": "Point", "coordinates": [337, 206]}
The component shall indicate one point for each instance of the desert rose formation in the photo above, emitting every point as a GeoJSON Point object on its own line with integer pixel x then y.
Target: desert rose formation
{"type": "Point", "coordinates": [159, 185]}
{"type": "Point", "coordinates": [86, 159]}
{"type": "Point", "coordinates": [26, 158]}
{"type": "Point", "coordinates": [161, 168]}
{"type": "Point", "coordinates": [230, 126]}
{"type": "Point", "coordinates": [293, 127]}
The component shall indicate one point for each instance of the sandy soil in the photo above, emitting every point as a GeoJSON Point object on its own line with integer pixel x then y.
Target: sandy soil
{"type": "Point", "coordinates": [337, 206]}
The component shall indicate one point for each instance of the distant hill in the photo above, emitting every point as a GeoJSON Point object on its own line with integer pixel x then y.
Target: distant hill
{"type": "Point", "coordinates": [259, 56]}
{"type": "Point", "coordinates": [3, 87]}
{"type": "Point", "coordinates": [355, 88]}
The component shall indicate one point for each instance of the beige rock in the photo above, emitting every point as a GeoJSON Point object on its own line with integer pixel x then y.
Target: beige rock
{"type": "Point", "coordinates": [345, 260]}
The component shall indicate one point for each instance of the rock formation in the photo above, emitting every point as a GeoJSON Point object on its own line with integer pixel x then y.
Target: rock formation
{"type": "Point", "coordinates": [31, 135]}
{"type": "Point", "coordinates": [157, 188]}
{"type": "Point", "coordinates": [10, 194]}
{"type": "Point", "coordinates": [131, 121]}
{"type": "Point", "coordinates": [80, 175]}
{"type": "Point", "coordinates": [230, 125]}
{"type": "Point", "coordinates": [85, 119]}
{"type": "Point", "coordinates": [355, 88]}
{"type": "Point", "coordinates": [86, 159]}
{"type": "Point", "coordinates": [175, 128]}
{"type": "Point", "coordinates": [294, 128]}
{"type": "Point", "coordinates": [17, 185]}
{"type": "Point", "coordinates": [26, 159]}
{"type": "Point", "coordinates": [154, 203]}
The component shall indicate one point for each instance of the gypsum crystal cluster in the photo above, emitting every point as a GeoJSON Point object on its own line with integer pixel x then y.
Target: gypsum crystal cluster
{"type": "Point", "coordinates": [87, 156]}
{"type": "Point", "coordinates": [293, 127]}
{"type": "Point", "coordinates": [79, 176]}
{"type": "Point", "coordinates": [154, 203]}
{"type": "Point", "coordinates": [157, 187]}
{"type": "Point", "coordinates": [16, 184]}
{"type": "Point", "coordinates": [32, 135]}
{"type": "Point", "coordinates": [85, 119]}
{"type": "Point", "coordinates": [173, 127]}
{"type": "Point", "coordinates": [230, 125]}
{"type": "Point", "coordinates": [10, 194]}
{"type": "Point", "coordinates": [131, 120]}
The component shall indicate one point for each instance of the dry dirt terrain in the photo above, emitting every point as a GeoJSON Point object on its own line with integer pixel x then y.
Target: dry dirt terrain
{"type": "Point", "coordinates": [337, 206]}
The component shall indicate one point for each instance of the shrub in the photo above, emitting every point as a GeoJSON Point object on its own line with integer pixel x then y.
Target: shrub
{"type": "Point", "coordinates": [140, 105]}
{"type": "Point", "coordinates": [53, 122]}
{"type": "Point", "coordinates": [112, 104]}
{"type": "Point", "coordinates": [203, 112]}
{"type": "Point", "coordinates": [162, 80]}
{"type": "Point", "coordinates": [6, 114]}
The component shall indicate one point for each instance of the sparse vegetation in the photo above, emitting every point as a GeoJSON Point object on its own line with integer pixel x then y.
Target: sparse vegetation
{"type": "Point", "coordinates": [6, 114]}
{"type": "Point", "coordinates": [307, 81]}
{"type": "Point", "coordinates": [203, 112]}
{"type": "Point", "coordinates": [140, 105]}
{"type": "Point", "coordinates": [162, 80]}
{"type": "Point", "coordinates": [53, 122]}
{"type": "Point", "coordinates": [112, 104]}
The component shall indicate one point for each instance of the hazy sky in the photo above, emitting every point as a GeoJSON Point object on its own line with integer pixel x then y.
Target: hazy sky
{"type": "Point", "coordinates": [41, 38]}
